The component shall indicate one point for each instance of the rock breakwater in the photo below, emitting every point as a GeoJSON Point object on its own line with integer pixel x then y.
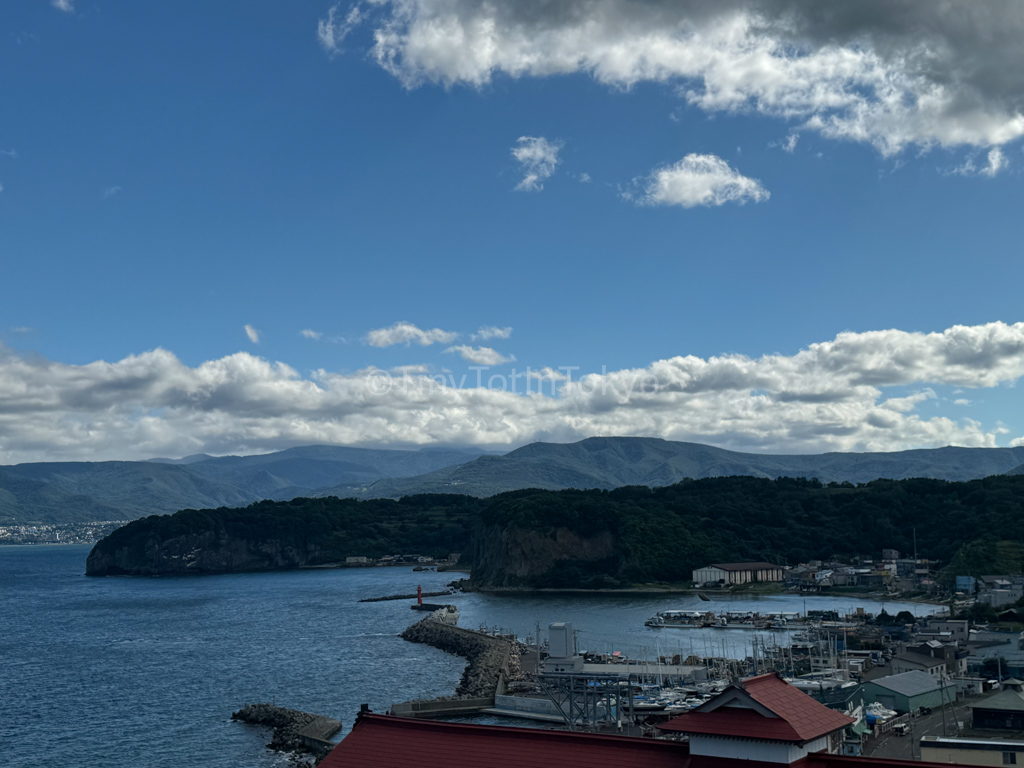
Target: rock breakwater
{"type": "Point", "coordinates": [294, 731]}
{"type": "Point", "coordinates": [487, 656]}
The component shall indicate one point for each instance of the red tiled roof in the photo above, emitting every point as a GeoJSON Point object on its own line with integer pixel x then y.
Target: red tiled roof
{"type": "Point", "coordinates": [799, 717]}
{"type": "Point", "coordinates": [398, 742]}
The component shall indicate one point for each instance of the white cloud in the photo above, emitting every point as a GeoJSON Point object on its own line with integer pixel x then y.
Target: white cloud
{"type": "Point", "coordinates": [68, 6]}
{"type": "Point", "coordinates": [252, 333]}
{"type": "Point", "coordinates": [887, 73]}
{"type": "Point", "coordinates": [406, 333]}
{"type": "Point", "coordinates": [961, 401]}
{"type": "Point", "coordinates": [332, 31]}
{"type": "Point", "coordinates": [480, 355]}
{"type": "Point", "coordinates": [829, 396]}
{"type": "Point", "coordinates": [110, 192]}
{"type": "Point", "coordinates": [1, 187]}
{"type": "Point", "coordinates": [790, 143]}
{"type": "Point", "coordinates": [308, 333]}
{"type": "Point", "coordinates": [539, 158]}
{"type": "Point", "coordinates": [11, 153]}
{"type": "Point", "coordinates": [700, 180]}
{"type": "Point", "coordinates": [492, 332]}
{"type": "Point", "coordinates": [995, 161]}
{"type": "Point", "coordinates": [1017, 442]}
{"type": "Point", "coordinates": [585, 178]}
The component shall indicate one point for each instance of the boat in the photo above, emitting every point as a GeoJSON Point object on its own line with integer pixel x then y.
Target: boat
{"type": "Point", "coordinates": [678, 620]}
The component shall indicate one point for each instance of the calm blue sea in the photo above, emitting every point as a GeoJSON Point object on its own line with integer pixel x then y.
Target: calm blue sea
{"type": "Point", "coordinates": [143, 671]}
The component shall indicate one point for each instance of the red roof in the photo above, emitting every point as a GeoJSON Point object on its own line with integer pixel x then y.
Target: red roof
{"type": "Point", "coordinates": [384, 741]}
{"type": "Point", "coordinates": [798, 717]}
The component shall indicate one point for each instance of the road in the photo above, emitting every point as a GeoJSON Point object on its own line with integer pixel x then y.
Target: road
{"type": "Point", "coordinates": [899, 747]}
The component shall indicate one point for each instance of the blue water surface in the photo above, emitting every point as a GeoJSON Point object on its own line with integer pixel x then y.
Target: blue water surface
{"type": "Point", "coordinates": [146, 671]}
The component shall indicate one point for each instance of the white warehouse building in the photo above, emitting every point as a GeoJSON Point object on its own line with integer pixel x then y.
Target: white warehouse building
{"type": "Point", "coordinates": [737, 573]}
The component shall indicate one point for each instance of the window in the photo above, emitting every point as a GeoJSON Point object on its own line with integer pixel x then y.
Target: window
{"type": "Point", "coordinates": [1009, 758]}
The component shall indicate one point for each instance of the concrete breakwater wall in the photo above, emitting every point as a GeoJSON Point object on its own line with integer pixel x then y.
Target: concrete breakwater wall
{"type": "Point", "coordinates": [413, 596]}
{"type": "Point", "coordinates": [294, 731]}
{"type": "Point", "coordinates": [484, 676]}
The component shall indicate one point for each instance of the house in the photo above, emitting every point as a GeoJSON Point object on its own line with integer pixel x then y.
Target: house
{"type": "Point", "coordinates": [909, 661]}
{"type": "Point", "coordinates": [762, 718]}
{"type": "Point", "coordinates": [357, 560]}
{"type": "Point", "coordinates": [909, 691]}
{"type": "Point", "coordinates": [737, 573]}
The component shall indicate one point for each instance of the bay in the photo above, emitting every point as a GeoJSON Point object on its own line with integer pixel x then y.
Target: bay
{"type": "Point", "coordinates": [146, 671]}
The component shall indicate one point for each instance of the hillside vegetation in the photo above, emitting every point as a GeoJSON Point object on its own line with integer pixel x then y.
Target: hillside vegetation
{"type": "Point", "coordinates": [597, 538]}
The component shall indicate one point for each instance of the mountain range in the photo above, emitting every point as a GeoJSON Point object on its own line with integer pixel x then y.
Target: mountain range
{"type": "Point", "coordinates": [121, 490]}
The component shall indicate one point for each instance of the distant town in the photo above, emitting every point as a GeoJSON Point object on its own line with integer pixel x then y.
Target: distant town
{"type": "Point", "coordinates": [58, 533]}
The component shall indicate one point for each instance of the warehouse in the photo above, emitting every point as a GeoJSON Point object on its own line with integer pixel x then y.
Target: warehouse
{"type": "Point", "coordinates": [737, 573]}
{"type": "Point", "coordinates": [909, 691]}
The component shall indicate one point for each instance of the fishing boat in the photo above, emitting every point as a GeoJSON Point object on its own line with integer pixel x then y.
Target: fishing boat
{"type": "Point", "coordinates": [679, 620]}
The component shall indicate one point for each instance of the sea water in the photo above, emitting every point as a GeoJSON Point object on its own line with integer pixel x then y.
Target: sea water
{"type": "Point", "coordinates": [146, 671]}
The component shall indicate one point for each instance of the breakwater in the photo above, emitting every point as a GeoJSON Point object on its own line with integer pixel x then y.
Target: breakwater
{"type": "Point", "coordinates": [491, 661]}
{"type": "Point", "coordinates": [293, 730]}
{"type": "Point", "coordinates": [412, 596]}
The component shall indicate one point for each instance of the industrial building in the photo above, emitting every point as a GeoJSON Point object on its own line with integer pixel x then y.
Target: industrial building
{"type": "Point", "coordinates": [737, 573]}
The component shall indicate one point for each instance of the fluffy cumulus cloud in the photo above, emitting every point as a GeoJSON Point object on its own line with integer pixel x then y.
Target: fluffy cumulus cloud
{"type": "Point", "coordinates": [887, 72]}
{"type": "Point", "coordinates": [829, 396]}
{"type": "Point", "coordinates": [699, 180]}
{"type": "Point", "coordinates": [538, 158]}
{"type": "Point", "coordinates": [252, 333]}
{"type": "Point", "coordinates": [407, 333]}
{"type": "Point", "coordinates": [309, 333]}
{"type": "Point", "coordinates": [480, 355]}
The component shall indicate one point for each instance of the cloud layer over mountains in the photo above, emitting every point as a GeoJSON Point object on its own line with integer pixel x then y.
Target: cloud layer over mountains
{"type": "Point", "coordinates": [829, 396]}
{"type": "Point", "coordinates": [889, 72]}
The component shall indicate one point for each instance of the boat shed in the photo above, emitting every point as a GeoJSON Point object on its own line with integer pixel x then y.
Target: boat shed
{"type": "Point", "coordinates": [737, 573]}
{"type": "Point", "coordinates": [909, 691]}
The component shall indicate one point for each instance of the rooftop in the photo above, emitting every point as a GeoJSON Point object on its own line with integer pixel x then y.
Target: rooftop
{"type": "Point", "coordinates": [764, 707]}
{"type": "Point", "coordinates": [911, 683]}
{"type": "Point", "coordinates": [384, 741]}
{"type": "Point", "coordinates": [745, 566]}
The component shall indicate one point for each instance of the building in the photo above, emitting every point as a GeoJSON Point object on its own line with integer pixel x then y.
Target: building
{"type": "Point", "coordinates": [737, 573]}
{"type": "Point", "coordinates": [1002, 711]}
{"type": "Point", "coordinates": [908, 661]}
{"type": "Point", "coordinates": [357, 560]}
{"type": "Point", "coordinates": [999, 752]}
{"type": "Point", "coordinates": [762, 718]}
{"type": "Point", "coordinates": [909, 691]}
{"type": "Point", "coordinates": [762, 722]}
{"type": "Point", "coordinates": [383, 741]}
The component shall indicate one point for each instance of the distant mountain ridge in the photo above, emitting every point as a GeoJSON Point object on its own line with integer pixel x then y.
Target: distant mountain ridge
{"type": "Point", "coordinates": [120, 490]}
{"type": "Point", "coordinates": [612, 462]}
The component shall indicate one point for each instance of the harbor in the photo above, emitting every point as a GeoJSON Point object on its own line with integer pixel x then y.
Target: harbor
{"type": "Point", "coordinates": [549, 676]}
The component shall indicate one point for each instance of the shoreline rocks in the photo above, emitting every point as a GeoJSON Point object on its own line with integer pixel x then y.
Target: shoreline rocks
{"type": "Point", "coordinates": [293, 730]}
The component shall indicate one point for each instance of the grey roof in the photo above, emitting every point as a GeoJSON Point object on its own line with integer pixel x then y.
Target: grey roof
{"type": "Point", "coordinates": [911, 683]}
{"type": "Point", "coordinates": [920, 659]}
{"type": "Point", "coordinates": [1005, 701]}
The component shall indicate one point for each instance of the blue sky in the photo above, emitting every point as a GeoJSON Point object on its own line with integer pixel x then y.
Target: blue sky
{"type": "Point", "coordinates": [814, 213]}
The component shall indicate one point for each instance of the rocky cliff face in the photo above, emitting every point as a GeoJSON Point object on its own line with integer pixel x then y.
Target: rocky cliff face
{"type": "Point", "coordinates": [198, 554]}
{"type": "Point", "coordinates": [507, 557]}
